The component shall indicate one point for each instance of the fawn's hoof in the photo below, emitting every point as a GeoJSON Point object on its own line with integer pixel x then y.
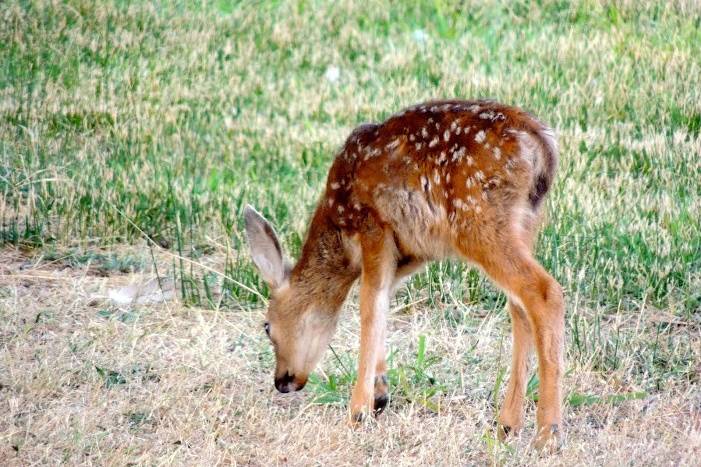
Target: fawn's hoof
{"type": "Point", "coordinates": [503, 431]}
{"type": "Point", "coordinates": [356, 418]}
{"type": "Point", "coordinates": [548, 439]}
{"type": "Point", "coordinates": [508, 424]}
{"type": "Point", "coordinates": [363, 404]}
{"type": "Point", "coordinates": [358, 414]}
{"type": "Point", "coordinates": [381, 401]}
{"type": "Point", "coordinates": [381, 395]}
{"type": "Point", "coordinates": [379, 404]}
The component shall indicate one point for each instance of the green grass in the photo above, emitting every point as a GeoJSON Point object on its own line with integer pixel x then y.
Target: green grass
{"type": "Point", "coordinates": [120, 120]}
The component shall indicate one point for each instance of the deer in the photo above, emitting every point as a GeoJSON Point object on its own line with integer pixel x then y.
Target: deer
{"type": "Point", "coordinates": [450, 178]}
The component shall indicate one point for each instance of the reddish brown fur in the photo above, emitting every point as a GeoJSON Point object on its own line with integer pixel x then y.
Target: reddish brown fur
{"type": "Point", "coordinates": [443, 178]}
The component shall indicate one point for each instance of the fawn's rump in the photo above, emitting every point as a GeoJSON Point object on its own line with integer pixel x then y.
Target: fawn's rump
{"type": "Point", "coordinates": [441, 169]}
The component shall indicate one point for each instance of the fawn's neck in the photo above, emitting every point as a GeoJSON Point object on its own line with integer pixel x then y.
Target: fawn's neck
{"type": "Point", "coordinates": [324, 271]}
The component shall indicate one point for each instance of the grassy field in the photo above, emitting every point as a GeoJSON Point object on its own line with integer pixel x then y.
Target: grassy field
{"type": "Point", "coordinates": [132, 134]}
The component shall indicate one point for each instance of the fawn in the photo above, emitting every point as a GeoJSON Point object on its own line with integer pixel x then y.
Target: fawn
{"type": "Point", "coordinates": [443, 178]}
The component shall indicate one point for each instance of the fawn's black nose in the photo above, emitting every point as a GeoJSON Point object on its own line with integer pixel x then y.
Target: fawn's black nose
{"type": "Point", "coordinates": [287, 383]}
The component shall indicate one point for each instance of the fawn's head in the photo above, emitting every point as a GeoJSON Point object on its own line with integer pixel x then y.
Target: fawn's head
{"type": "Point", "coordinates": [297, 326]}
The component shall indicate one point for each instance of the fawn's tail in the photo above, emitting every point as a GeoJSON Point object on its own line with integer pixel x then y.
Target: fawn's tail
{"type": "Point", "coordinates": [547, 165]}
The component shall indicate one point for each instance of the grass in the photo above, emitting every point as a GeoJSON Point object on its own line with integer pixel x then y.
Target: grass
{"type": "Point", "coordinates": [132, 134]}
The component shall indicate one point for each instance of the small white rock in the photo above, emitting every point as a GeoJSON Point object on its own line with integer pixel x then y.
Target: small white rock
{"type": "Point", "coordinates": [333, 73]}
{"type": "Point", "coordinates": [420, 36]}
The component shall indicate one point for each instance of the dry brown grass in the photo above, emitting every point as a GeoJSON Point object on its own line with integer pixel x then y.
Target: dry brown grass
{"type": "Point", "coordinates": [197, 387]}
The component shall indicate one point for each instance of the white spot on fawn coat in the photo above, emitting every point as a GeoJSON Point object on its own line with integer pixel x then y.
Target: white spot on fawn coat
{"type": "Point", "coordinates": [393, 144]}
{"type": "Point", "coordinates": [424, 182]}
{"type": "Point", "coordinates": [459, 154]}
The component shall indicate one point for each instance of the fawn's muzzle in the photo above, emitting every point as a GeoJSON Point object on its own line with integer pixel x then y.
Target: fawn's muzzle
{"type": "Point", "coordinates": [288, 383]}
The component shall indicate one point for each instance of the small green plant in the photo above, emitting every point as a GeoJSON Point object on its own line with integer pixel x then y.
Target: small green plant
{"type": "Point", "coordinates": [414, 382]}
{"type": "Point", "coordinates": [124, 316]}
{"type": "Point", "coordinates": [103, 263]}
{"type": "Point", "coordinates": [110, 378]}
{"type": "Point", "coordinates": [136, 419]}
{"type": "Point", "coordinates": [335, 388]}
{"type": "Point", "coordinates": [575, 399]}
{"type": "Point", "coordinates": [409, 383]}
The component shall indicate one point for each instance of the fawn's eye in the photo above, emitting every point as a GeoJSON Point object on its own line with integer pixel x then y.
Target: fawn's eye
{"type": "Point", "coordinates": [266, 326]}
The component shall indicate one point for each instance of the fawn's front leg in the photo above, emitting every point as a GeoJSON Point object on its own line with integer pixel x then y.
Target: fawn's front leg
{"type": "Point", "coordinates": [404, 269]}
{"type": "Point", "coordinates": [370, 391]}
{"type": "Point", "coordinates": [374, 302]}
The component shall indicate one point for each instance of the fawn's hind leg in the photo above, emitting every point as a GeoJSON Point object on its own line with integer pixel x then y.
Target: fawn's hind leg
{"type": "Point", "coordinates": [511, 413]}
{"type": "Point", "coordinates": [511, 265]}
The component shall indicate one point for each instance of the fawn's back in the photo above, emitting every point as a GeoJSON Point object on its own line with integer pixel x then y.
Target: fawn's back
{"type": "Point", "coordinates": [444, 172]}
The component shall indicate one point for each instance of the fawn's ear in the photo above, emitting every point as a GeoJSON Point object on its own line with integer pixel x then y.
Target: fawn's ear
{"type": "Point", "coordinates": [265, 248]}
